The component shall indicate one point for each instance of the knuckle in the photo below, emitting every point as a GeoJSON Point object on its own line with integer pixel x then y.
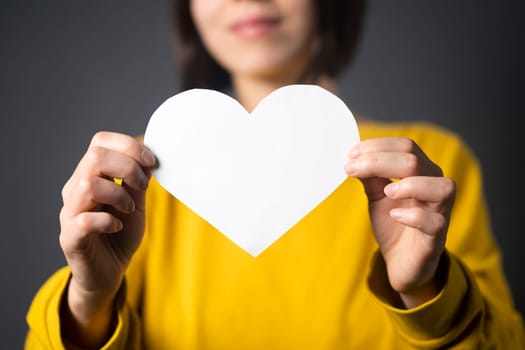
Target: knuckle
{"type": "Point", "coordinates": [83, 224]}
{"type": "Point", "coordinates": [86, 186]}
{"type": "Point", "coordinates": [418, 216]}
{"type": "Point", "coordinates": [64, 193]}
{"type": "Point", "coordinates": [438, 221]}
{"type": "Point", "coordinates": [94, 155]}
{"type": "Point", "coordinates": [64, 242]}
{"type": "Point", "coordinates": [62, 215]}
{"type": "Point", "coordinates": [73, 234]}
{"type": "Point", "coordinates": [86, 191]}
{"type": "Point", "coordinates": [369, 162]}
{"type": "Point", "coordinates": [99, 137]}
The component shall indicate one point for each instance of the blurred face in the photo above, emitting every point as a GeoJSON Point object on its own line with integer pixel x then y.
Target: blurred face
{"type": "Point", "coordinates": [258, 38]}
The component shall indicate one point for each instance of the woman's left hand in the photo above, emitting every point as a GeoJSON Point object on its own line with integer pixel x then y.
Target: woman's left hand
{"type": "Point", "coordinates": [410, 217]}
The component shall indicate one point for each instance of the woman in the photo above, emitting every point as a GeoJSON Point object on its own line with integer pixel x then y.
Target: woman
{"type": "Point", "coordinates": [404, 264]}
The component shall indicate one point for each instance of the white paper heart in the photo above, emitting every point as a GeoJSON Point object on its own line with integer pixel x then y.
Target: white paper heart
{"type": "Point", "coordinates": [252, 176]}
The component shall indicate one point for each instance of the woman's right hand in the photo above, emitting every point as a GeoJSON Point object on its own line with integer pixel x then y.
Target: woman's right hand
{"type": "Point", "coordinates": [102, 224]}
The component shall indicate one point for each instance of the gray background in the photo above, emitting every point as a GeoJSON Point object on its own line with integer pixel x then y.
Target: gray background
{"type": "Point", "coordinates": [71, 68]}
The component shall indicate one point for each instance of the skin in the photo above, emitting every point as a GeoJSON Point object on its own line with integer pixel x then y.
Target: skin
{"type": "Point", "coordinates": [102, 222]}
{"type": "Point", "coordinates": [257, 62]}
{"type": "Point", "coordinates": [410, 217]}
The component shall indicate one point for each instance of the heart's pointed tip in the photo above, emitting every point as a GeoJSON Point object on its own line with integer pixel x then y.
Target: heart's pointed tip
{"type": "Point", "coordinates": [254, 253]}
{"type": "Point", "coordinates": [181, 134]}
{"type": "Point", "coordinates": [255, 250]}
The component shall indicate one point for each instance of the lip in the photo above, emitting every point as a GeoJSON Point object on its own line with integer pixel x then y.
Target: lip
{"type": "Point", "coordinates": [255, 26]}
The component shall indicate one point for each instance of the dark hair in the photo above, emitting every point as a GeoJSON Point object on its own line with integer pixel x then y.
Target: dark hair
{"type": "Point", "coordinates": [339, 25]}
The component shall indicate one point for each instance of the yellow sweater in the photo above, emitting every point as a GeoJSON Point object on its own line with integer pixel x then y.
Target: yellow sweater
{"type": "Point", "coordinates": [320, 286]}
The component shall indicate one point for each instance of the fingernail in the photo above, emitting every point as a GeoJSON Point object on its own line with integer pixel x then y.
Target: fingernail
{"type": "Point", "coordinates": [131, 206]}
{"type": "Point", "coordinates": [391, 189]}
{"type": "Point", "coordinates": [396, 213]}
{"type": "Point", "coordinates": [351, 167]}
{"type": "Point", "coordinates": [355, 153]}
{"type": "Point", "coordinates": [148, 157]}
{"type": "Point", "coordinates": [145, 182]}
{"type": "Point", "coordinates": [119, 226]}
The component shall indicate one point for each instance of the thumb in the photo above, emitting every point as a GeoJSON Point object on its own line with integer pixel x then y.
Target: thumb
{"type": "Point", "coordinates": [374, 187]}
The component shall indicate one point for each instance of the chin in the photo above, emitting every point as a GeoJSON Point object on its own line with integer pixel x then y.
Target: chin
{"type": "Point", "coordinates": [264, 66]}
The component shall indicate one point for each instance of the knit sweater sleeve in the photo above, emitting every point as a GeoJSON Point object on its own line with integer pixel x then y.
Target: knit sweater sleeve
{"type": "Point", "coordinates": [43, 318]}
{"type": "Point", "coordinates": [475, 309]}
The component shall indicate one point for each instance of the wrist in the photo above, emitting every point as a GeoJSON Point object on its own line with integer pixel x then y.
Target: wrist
{"type": "Point", "coordinates": [420, 295]}
{"type": "Point", "coordinates": [427, 291]}
{"type": "Point", "coordinates": [85, 304]}
{"type": "Point", "coordinates": [88, 318]}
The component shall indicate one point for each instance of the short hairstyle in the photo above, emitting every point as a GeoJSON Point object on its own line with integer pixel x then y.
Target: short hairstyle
{"type": "Point", "coordinates": [339, 25]}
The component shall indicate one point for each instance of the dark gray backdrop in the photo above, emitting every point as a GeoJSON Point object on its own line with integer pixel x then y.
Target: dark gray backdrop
{"type": "Point", "coordinates": [71, 68]}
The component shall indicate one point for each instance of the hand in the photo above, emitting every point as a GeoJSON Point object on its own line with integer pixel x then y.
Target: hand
{"type": "Point", "coordinates": [102, 224]}
{"type": "Point", "coordinates": [410, 217]}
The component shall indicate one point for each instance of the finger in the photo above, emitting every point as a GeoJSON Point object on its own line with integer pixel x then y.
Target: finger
{"type": "Point", "coordinates": [119, 143]}
{"type": "Point", "coordinates": [384, 144]}
{"type": "Point", "coordinates": [94, 192]}
{"type": "Point", "coordinates": [374, 187]}
{"type": "Point", "coordinates": [138, 197]}
{"type": "Point", "coordinates": [395, 145]}
{"type": "Point", "coordinates": [428, 222]}
{"type": "Point", "coordinates": [422, 188]}
{"type": "Point", "coordinates": [75, 233]}
{"type": "Point", "coordinates": [124, 144]}
{"type": "Point", "coordinates": [107, 163]}
{"type": "Point", "coordinates": [389, 165]}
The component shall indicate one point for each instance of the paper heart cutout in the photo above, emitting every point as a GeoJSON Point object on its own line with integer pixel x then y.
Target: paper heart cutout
{"type": "Point", "coordinates": [252, 176]}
